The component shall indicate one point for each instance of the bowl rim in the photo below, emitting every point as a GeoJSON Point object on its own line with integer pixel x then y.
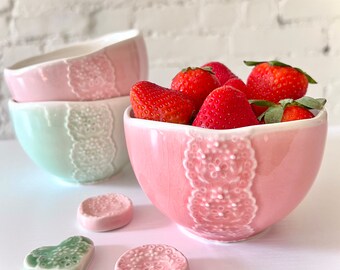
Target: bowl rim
{"type": "Point", "coordinates": [95, 45]}
{"type": "Point", "coordinates": [320, 118]}
{"type": "Point", "coordinates": [32, 104]}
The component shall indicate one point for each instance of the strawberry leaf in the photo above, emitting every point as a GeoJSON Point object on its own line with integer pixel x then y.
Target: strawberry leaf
{"type": "Point", "coordinates": [322, 101]}
{"type": "Point", "coordinates": [285, 102]}
{"type": "Point", "coordinates": [272, 63]}
{"type": "Point", "coordinates": [253, 63]}
{"type": "Point", "coordinates": [262, 103]}
{"type": "Point", "coordinates": [276, 63]}
{"type": "Point", "coordinates": [309, 78]}
{"type": "Point", "coordinates": [311, 103]}
{"type": "Point", "coordinates": [260, 117]}
{"type": "Point", "coordinates": [207, 68]}
{"type": "Point", "coordinates": [273, 115]}
{"type": "Point", "coordinates": [188, 69]}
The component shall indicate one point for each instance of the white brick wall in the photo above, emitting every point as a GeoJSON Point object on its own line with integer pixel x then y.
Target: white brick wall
{"type": "Point", "coordinates": [309, 10]}
{"type": "Point", "coordinates": [304, 33]}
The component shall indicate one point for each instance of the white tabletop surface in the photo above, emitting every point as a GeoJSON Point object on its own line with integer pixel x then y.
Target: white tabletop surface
{"type": "Point", "coordinates": [38, 210]}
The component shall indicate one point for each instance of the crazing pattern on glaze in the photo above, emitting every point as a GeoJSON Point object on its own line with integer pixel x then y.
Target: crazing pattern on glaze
{"type": "Point", "coordinates": [221, 173]}
{"type": "Point", "coordinates": [67, 255]}
{"type": "Point", "coordinates": [160, 257]}
{"type": "Point", "coordinates": [93, 150]}
{"type": "Point", "coordinates": [92, 77]}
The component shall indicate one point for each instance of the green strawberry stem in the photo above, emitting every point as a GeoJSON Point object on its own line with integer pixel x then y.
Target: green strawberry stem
{"type": "Point", "coordinates": [280, 64]}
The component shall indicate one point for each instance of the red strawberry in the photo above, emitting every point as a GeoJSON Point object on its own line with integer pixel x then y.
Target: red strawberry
{"type": "Point", "coordinates": [226, 76]}
{"type": "Point", "coordinates": [274, 81]}
{"type": "Point", "coordinates": [288, 109]}
{"type": "Point", "coordinates": [225, 108]}
{"type": "Point", "coordinates": [237, 83]}
{"type": "Point", "coordinates": [196, 83]}
{"type": "Point", "coordinates": [292, 113]}
{"type": "Point", "coordinates": [153, 102]}
{"type": "Point", "coordinates": [222, 73]}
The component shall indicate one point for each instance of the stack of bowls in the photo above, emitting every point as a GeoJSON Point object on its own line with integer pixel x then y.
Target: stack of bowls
{"type": "Point", "coordinates": [67, 106]}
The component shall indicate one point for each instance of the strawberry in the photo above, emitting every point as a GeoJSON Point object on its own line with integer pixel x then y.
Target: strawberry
{"type": "Point", "coordinates": [274, 81]}
{"type": "Point", "coordinates": [292, 113]}
{"type": "Point", "coordinates": [226, 76]}
{"type": "Point", "coordinates": [222, 73]}
{"type": "Point", "coordinates": [225, 108]}
{"type": "Point", "coordinates": [153, 102]}
{"type": "Point", "coordinates": [196, 83]}
{"type": "Point", "coordinates": [237, 83]}
{"type": "Point", "coordinates": [288, 109]}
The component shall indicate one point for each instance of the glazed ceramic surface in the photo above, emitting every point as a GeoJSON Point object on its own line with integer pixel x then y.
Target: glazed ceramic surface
{"type": "Point", "coordinates": [80, 142]}
{"type": "Point", "coordinates": [105, 212]}
{"type": "Point", "coordinates": [73, 253]}
{"type": "Point", "coordinates": [226, 185]}
{"type": "Point", "coordinates": [103, 68]}
{"type": "Point", "coordinates": [155, 256]}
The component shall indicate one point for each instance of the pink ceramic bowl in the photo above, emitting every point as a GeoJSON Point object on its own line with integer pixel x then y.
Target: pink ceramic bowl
{"type": "Point", "coordinates": [226, 185]}
{"type": "Point", "coordinates": [103, 68]}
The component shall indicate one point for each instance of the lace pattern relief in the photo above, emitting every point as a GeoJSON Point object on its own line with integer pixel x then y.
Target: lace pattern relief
{"type": "Point", "coordinates": [93, 150]}
{"type": "Point", "coordinates": [69, 254]}
{"type": "Point", "coordinates": [152, 257]}
{"type": "Point", "coordinates": [221, 173]}
{"type": "Point", "coordinates": [92, 77]}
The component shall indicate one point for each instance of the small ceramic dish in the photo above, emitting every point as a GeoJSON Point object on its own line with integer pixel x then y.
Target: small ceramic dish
{"type": "Point", "coordinates": [105, 212]}
{"type": "Point", "coordinates": [75, 252]}
{"type": "Point", "coordinates": [152, 256]}
{"type": "Point", "coordinates": [103, 68]}
{"type": "Point", "coordinates": [80, 142]}
{"type": "Point", "coordinates": [226, 185]}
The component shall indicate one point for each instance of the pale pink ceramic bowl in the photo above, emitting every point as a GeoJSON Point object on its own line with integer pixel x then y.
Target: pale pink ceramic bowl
{"type": "Point", "coordinates": [97, 69]}
{"type": "Point", "coordinates": [226, 185]}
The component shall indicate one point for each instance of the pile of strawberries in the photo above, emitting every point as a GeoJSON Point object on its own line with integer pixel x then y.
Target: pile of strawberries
{"type": "Point", "coordinates": [212, 96]}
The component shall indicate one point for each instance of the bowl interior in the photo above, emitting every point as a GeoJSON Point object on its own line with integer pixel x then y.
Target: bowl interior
{"type": "Point", "coordinates": [77, 50]}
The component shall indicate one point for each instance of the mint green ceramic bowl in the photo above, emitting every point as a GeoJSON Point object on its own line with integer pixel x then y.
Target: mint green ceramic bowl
{"type": "Point", "coordinates": [80, 142]}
